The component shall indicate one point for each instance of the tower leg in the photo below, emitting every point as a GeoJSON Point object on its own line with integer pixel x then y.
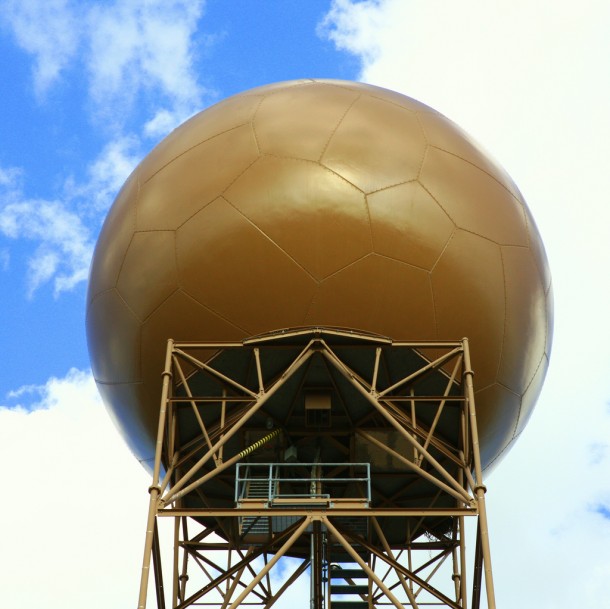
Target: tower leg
{"type": "Point", "coordinates": [155, 489]}
{"type": "Point", "coordinates": [480, 487]}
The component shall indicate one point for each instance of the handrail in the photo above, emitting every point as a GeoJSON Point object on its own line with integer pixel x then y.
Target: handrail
{"type": "Point", "coordinates": [271, 474]}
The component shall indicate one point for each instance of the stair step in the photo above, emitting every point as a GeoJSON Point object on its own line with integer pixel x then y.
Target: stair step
{"type": "Point", "coordinates": [343, 573]}
{"type": "Point", "coordinates": [252, 525]}
{"type": "Point", "coordinates": [257, 488]}
{"type": "Point", "coordinates": [349, 589]}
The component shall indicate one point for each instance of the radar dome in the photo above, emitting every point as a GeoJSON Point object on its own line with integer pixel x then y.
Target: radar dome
{"type": "Point", "coordinates": [320, 203]}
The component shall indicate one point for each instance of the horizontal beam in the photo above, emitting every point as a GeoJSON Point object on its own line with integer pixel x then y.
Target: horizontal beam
{"type": "Point", "coordinates": [240, 399]}
{"type": "Point", "coordinates": [316, 513]}
{"type": "Point", "coordinates": [367, 339]}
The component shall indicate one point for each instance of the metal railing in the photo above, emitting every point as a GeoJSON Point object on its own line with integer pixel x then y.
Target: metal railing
{"type": "Point", "coordinates": [286, 483]}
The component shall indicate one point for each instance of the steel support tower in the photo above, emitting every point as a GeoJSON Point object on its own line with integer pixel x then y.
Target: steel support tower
{"type": "Point", "coordinates": [339, 456]}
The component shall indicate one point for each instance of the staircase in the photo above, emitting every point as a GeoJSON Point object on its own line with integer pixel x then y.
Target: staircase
{"type": "Point", "coordinates": [255, 528]}
{"type": "Point", "coordinates": [349, 586]}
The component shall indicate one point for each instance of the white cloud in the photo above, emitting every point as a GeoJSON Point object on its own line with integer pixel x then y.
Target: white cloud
{"type": "Point", "coordinates": [162, 123]}
{"type": "Point", "coordinates": [65, 247]}
{"type": "Point", "coordinates": [352, 27]}
{"type": "Point", "coordinates": [64, 243]}
{"type": "Point", "coordinates": [543, 502]}
{"type": "Point", "coordinates": [63, 229]}
{"type": "Point", "coordinates": [73, 513]}
{"type": "Point", "coordinates": [48, 30]}
{"type": "Point", "coordinates": [140, 48]}
{"type": "Point", "coordinates": [9, 176]}
{"type": "Point", "coordinates": [105, 175]}
{"type": "Point", "coordinates": [134, 52]}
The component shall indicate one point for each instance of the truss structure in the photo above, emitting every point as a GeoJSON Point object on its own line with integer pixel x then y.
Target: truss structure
{"type": "Point", "coordinates": [338, 458]}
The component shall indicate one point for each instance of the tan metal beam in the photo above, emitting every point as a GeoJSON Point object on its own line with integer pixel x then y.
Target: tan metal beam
{"type": "Point", "coordinates": [306, 511]}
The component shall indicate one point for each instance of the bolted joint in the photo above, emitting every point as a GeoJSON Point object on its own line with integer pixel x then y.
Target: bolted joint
{"type": "Point", "coordinates": [481, 487]}
{"type": "Point", "coordinates": [154, 487]}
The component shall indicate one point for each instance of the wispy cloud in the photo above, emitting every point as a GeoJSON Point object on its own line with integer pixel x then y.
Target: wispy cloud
{"type": "Point", "coordinates": [51, 393]}
{"type": "Point", "coordinates": [352, 26]}
{"type": "Point", "coordinates": [64, 243]}
{"type": "Point", "coordinates": [49, 31]}
{"type": "Point", "coordinates": [64, 229]}
{"type": "Point", "coordinates": [105, 176]}
{"type": "Point", "coordinates": [135, 54]}
{"type": "Point", "coordinates": [136, 49]}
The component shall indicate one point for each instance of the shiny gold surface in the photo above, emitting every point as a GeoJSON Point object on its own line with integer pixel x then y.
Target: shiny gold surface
{"type": "Point", "coordinates": [320, 203]}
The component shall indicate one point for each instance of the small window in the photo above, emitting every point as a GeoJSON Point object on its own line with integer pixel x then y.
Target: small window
{"type": "Point", "coordinates": [317, 408]}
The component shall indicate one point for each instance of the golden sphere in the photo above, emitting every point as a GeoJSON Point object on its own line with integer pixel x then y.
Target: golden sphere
{"type": "Point", "coordinates": [320, 203]}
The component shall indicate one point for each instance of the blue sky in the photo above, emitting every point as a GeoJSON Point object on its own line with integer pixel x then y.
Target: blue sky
{"type": "Point", "coordinates": [88, 88]}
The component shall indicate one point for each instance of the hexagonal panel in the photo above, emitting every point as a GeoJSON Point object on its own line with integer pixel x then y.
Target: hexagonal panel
{"type": "Point", "coordinates": [194, 179]}
{"type": "Point", "coordinates": [378, 144]}
{"type": "Point", "coordinates": [319, 109]}
{"type": "Point", "coordinates": [184, 319]}
{"type": "Point", "coordinates": [468, 288]}
{"type": "Point", "coordinates": [473, 200]}
{"type": "Point", "coordinates": [525, 316]}
{"type": "Point", "coordinates": [408, 224]}
{"type": "Point", "coordinates": [444, 134]}
{"type": "Point", "coordinates": [387, 95]}
{"type": "Point", "coordinates": [114, 239]}
{"type": "Point", "coordinates": [223, 116]}
{"type": "Point", "coordinates": [377, 295]}
{"type": "Point", "coordinates": [148, 275]}
{"type": "Point", "coordinates": [228, 265]}
{"type": "Point", "coordinates": [311, 213]}
{"type": "Point", "coordinates": [113, 335]}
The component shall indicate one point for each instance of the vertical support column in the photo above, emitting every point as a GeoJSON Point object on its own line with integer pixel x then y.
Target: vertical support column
{"type": "Point", "coordinates": [463, 596]}
{"type": "Point", "coordinates": [317, 591]}
{"type": "Point", "coordinates": [464, 588]}
{"type": "Point", "coordinates": [155, 489]}
{"type": "Point", "coordinates": [158, 571]}
{"type": "Point", "coordinates": [175, 580]}
{"type": "Point", "coordinates": [479, 489]}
